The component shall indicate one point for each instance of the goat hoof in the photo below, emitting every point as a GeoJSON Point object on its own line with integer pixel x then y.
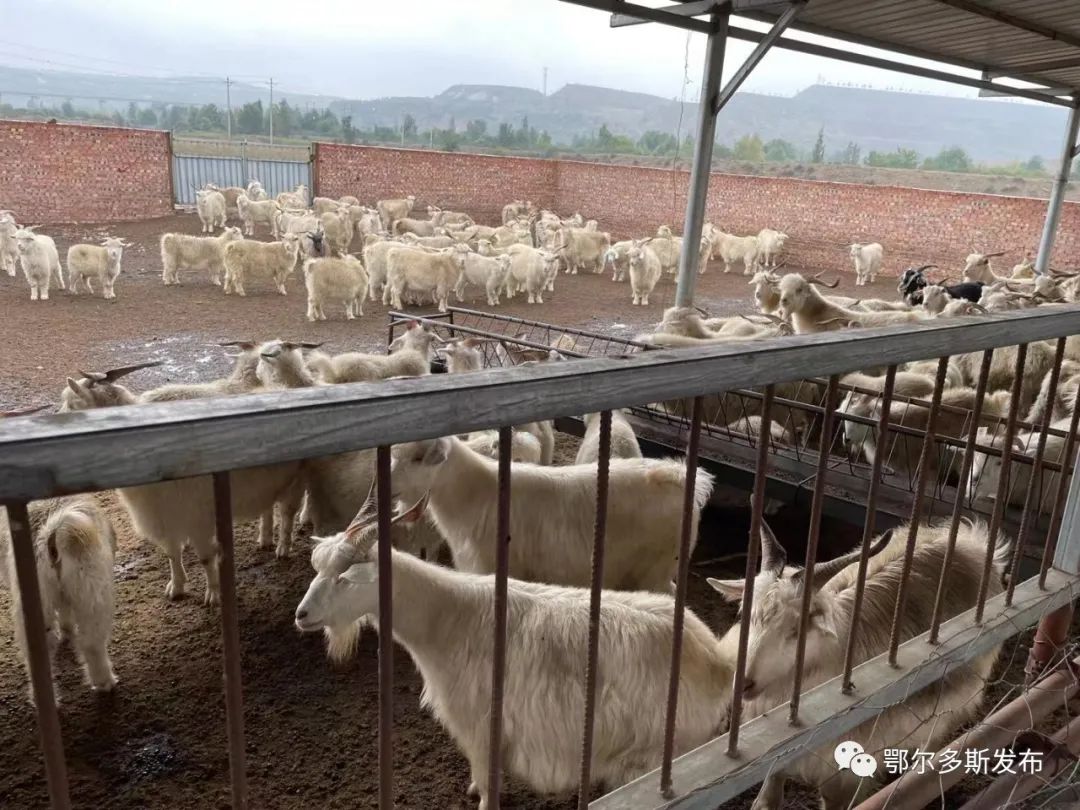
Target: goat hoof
{"type": "Point", "coordinates": [474, 790]}
{"type": "Point", "coordinates": [282, 552]}
{"type": "Point", "coordinates": [211, 598]}
{"type": "Point", "coordinates": [174, 591]}
{"type": "Point", "coordinates": [106, 686]}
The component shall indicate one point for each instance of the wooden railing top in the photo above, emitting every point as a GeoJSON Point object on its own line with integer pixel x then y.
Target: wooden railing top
{"type": "Point", "coordinates": [105, 448]}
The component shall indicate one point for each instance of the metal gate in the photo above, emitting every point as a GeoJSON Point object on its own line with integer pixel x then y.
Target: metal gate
{"type": "Point", "coordinates": [196, 162]}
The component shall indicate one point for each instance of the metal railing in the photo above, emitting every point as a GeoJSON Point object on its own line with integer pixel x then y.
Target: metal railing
{"type": "Point", "coordinates": [116, 447]}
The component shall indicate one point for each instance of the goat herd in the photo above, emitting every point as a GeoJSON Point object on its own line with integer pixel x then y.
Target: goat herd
{"type": "Point", "coordinates": [445, 490]}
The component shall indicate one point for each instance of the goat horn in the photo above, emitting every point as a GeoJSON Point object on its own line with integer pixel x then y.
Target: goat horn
{"type": "Point", "coordinates": [23, 411]}
{"type": "Point", "coordinates": [116, 373]}
{"type": "Point", "coordinates": [993, 255]}
{"type": "Point", "coordinates": [365, 514]}
{"type": "Point", "coordinates": [305, 345]}
{"type": "Point", "coordinates": [237, 343]}
{"type": "Point", "coordinates": [926, 267]}
{"type": "Point", "coordinates": [773, 556]}
{"type": "Point", "coordinates": [702, 310]}
{"type": "Point", "coordinates": [827, 570]}
{"type": "Point", "coordinates": [833, 286]}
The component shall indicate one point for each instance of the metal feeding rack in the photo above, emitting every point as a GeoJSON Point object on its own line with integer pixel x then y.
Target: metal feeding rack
{"type": "Point", "coordinates": [731, 426]}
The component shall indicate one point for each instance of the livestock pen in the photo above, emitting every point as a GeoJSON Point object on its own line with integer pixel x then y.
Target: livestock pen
{"type": "Point", "coordinates": [95, 450]}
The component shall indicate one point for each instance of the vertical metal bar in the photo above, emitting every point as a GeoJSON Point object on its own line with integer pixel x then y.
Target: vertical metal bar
{"type": "Point", "coordinates": [230, 640]}
{"type": "Point", "coordinates": [37, 652]}
{"type": "Point", "coordinates": [757, 507]}
{"type": "Point", "coordinates": [386, 631]}
{"type": "Point", "coordinates": [958, 501]}
{"type": "Point", "coordinates": [602, 464]}
{"type": "Point", "coordinates": [680, 592]}
{"type": "Point", "coordinates": [1057, 193]}
{"type": "Point", "coordinates": [917, 507]}
{"type": "Point", "coordinates": [702, 163]}
{"type": "Point", "coordinates": [1003, 481]}
{"type": "Point", "coordinates": [1067, 464]}
{"type": "Point", "coordinates": [498, 667]}
{"type": "Point", "coordinates": [868, 527]}
{"type": "Point", "coordinates": [816, 505]}
{"type": "Point", "coordinates": [1034, 491]}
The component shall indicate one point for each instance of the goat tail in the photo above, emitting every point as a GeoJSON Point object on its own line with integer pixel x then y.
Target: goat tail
{"type": "Point", "coordinates": [75, 532]}
{"type": "Point", "coordinates": [1003, 551]}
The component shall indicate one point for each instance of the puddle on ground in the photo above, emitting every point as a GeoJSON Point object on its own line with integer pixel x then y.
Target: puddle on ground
{"type": "Point", "coordinates": [150, 757]}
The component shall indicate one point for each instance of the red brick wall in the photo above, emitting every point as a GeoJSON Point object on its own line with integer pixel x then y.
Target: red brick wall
{"type": "Point", "coordinates": [477, 184]}
{"type": "Point", "coordinates": [61, 173]}
{"type": "Point", "coordinates": [914, 225]}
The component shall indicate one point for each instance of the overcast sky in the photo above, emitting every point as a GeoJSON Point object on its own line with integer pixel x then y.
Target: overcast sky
{"type": "Point", "coordinates": [374, 48]}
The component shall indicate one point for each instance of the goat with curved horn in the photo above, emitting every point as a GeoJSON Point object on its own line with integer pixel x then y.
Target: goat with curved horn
{"type": "Point", "coordinates": [114, 374]}
{"type": "Point", "coordinates": [816, 279]}
{"type": "Point", "coordinates": [827, 570]}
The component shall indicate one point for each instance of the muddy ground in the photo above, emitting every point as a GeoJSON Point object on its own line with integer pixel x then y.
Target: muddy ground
{"type": "Point", "coordinates": [311, 726]}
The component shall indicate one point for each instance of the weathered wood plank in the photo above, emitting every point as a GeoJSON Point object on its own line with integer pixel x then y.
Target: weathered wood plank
{"type": "Point", "coordinates": [707, 776]}
{"type": "Point", "coordinates": [123, 446]}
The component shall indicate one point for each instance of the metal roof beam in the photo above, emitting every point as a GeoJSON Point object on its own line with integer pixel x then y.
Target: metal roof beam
{"type": "Point", "coordinates": [646, 14]}
{"type": "Point", "coordinates": [691, 9]}
{"type": "Point", "coordinates": [1037, 67]}
{"type": "Point", "coordinates": [889, 64]}
{"type": "Point", "coordinates": [1012, 20]}
{"type": "Point", "coordinates": [756, 55]}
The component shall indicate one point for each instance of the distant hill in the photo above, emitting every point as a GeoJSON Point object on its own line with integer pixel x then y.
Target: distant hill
{"type": "Point", "coordinates": [990, 131]}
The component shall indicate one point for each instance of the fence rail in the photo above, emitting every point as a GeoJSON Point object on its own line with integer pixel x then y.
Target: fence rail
{"type": "Point", "coordinates": [141, 444]}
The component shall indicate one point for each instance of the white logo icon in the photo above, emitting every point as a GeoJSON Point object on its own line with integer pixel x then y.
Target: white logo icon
{"type": "Point", "coordinates": [863, 765]}
{"type": "Point", "coordinates": [850, 754]}
{"type": "Point", "coordinates": [844, 753]}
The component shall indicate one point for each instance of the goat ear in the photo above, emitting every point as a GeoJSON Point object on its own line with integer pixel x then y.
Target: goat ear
{"type": "Point", "coordinates": [438, 452]}
{"type": "Point", "coordinates": [80, 389]}
{"type": "Point", "coordinates": [730, 589]}
{"type": "Point", "coordinates": [395, 344]}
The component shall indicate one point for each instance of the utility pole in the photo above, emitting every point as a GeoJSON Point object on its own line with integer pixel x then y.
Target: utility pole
{"type": "Point", "coordinates": [228, 107]}
{"type": "Point", "coordinates": [271, 110]}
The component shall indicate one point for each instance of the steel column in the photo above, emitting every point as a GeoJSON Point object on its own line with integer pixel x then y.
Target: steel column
{"type": "Point", "coordinates": [702, 165]}
{"type": "Point", "coordinates": [1057, 193]}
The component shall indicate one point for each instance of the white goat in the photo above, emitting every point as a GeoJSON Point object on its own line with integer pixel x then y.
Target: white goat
{"type": "Point", "coordinates": [271, 260]}
{"type": "Point", "coordinates": [443, 619]}
{"type": "Point", "coordinates": [487, 272]}
{"type": "Point", "coordinates": [210, 206]}
{"type": "Point", "coordinates": [645, 271]}
{"type": "Point", "coordinates": [182, 252]}
{"type": "Point", "coordinates": [434, 273]}
{"type": "Point", "coordinates": [624, 443]}
{"type": "Point", "coordinates": [771, 245]}
{"type": "Point", "coordinates": [342, 280]}
{"type": "Point", "coordinates": [925, 720]}
{"type": "Point", "coordinates": [96, 261]}
{"type": "Point", "coordinates": [251, 211]}
{"type": "Point", "coordinates": [74, 546]}
{"type": "Point", "coordinates": [390, 211]}
{"type": "Point", "coordinates": [9, 252]}
{"type": "Point", "coordinates": [867, 259]}
{"type": "Point", "coordinates": [644, 514]}
{"type": "Point", "coordinates": [39, 261]}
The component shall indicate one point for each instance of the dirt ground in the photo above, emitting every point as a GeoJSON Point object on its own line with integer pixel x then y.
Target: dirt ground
{"type": "Point", "coordinates": [311, 726]}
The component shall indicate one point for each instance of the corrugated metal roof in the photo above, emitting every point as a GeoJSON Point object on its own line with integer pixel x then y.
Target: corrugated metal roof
{"type": "Point", "coordinates": [1033, 40]}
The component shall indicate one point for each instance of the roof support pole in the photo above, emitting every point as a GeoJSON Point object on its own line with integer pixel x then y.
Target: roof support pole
{"type": "Point", "coordinates": [1057, 194]}
{"type": "Point", "coordinates": [702, 165]}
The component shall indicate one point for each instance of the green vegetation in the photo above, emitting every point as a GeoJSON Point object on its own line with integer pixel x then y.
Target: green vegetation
{"type": "Point", "coordinates": [296, 126]}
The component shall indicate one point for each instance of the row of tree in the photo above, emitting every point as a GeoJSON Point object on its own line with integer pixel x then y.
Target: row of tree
{"type": "Point", "coordinates": [253, 118]}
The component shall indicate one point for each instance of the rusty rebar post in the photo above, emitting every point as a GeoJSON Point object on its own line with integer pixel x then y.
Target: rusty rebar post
{"type": "Point", "coordinates": [597, 584]}
{"type": "Point", "coordinates": [917, 507]}
{"type": "Point", "coordinates": [757, 508]}
{"type": "Point", "coordinates": [816, 504]}
{"type": "Point", "coordinates": [1033, 496]}
{"type": "Point", "coordinates": [37, 653]}
{"type": "Point", "coordinates": [681, 578]}
{"type": "Point", "coordinates": [230, 640]}
{"type": "Point", "coordinates": [386, 629]}
{"type": "Point", "coordinates": [498, 666]}
{"type": "Point", "coordinates": [868, 528]}
{"type": "Point", "coordinates": [1003, 481]}
{"type": "Point", "coordinates": [958, 501]}
{"type": "Point", "coordinates": [1068, 462]}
